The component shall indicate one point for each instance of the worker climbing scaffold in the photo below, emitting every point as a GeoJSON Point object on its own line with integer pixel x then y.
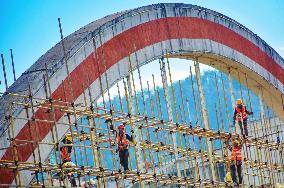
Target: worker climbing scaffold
{"type": "Point", "coordinates": [65, 152]}
{"type": "Point", "coordinates": [235, 174]}
{"type": "Point", "coordinates": [241, 113]}
{"type": "Point", "coordinates": [122, 146]}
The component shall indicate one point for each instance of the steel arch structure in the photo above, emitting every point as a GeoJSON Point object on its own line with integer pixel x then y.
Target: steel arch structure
{"type": "Point", "coordinates": [146, 33]}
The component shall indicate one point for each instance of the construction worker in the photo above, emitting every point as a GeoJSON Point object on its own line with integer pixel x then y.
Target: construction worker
{"type": "Point", "coordinates": [241, 113]}
{"type": "Point", "coordinates": [236, 161]}
{"type": "Point", "coordinates": [123, 146]}
{"type": "Point", "coordinates": [66, 150]}
{"type": "Point", "coordinates": [66, 158]}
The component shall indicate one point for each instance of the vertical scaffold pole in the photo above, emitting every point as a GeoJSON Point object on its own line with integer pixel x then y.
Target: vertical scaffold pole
{"type": "Point", "coordinates": [55, 137]}
{"type": "Point", "coordinates": [231, 87]}
{"type": "Point", "coordinates": [4, 71]}
{"type": "Point", "coordinates": [96, 62]}
{"type": "Point", "coordinates": [246, 151]}
{"type": "Point", "coordinates": [13, 144]}
{"type": "Point", "coordinates": [155, 131]}
{"type": "Point", "coordinates": [231, 92]}
{"type": "Point", "coordinates": [225, 103]}
{"type": "Point", "coordinates": [204, 116]}
{"type": "Point", "coordinates": [31, 100]}
{"type": "Point", "coordinates": [144, 114]}
{"type": "Point", "coordinates": [133, 110]}
{"type": "Point", "coordinates": [134, 130]}
{"type": "Point", "coordinates": [93, 135]}
{"type": "Point", "coordinates": [254, 152]}
{"type": "Point", "coordinates": [265, 129]}
{"type": "Point", "coordinates": [170, 113]}
{"type": "Point", "coordinates": [195, 98]}
{"type": "Point", "coordinates": [219, 104]}
{"type": "Point", "coordinates": [262, 113]}
{"type": "Point", "coordinates": [120, 100]}
{"type": "Point", "coordinates": [176, 114]}
{"type": "Point", "coordinates": [104, 64]}
{"type": "Point", "coordinates": [159, 106]}
{"type": "Point", "coordinates": [13, 65]}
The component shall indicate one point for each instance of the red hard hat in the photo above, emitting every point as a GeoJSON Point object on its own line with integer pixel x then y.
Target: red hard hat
{"type": "Point", "coordinates": [121, 127]}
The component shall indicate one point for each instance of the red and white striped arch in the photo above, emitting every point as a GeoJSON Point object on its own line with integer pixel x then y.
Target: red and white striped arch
{"type": "Point", "coordinates": [149, 33]}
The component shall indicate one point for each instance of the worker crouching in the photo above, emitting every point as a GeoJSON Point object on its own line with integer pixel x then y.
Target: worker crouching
{"type": "Point", "coordinates": [123, 146]}
{"type": "Point", "coordinates": [66, 158]}
{"type": "Point", "coordinates": [241, 113]}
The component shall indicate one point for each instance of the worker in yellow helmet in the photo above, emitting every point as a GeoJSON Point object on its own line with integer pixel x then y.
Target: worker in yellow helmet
{"type": "Point", "coordinates": [240, 114]}
{"type": "Point", "coordinates": [66, 151]}
{"type": "Point", "coordinates": [236, 161]}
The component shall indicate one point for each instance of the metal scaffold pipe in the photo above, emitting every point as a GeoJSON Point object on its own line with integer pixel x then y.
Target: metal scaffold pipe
{"type": "Point", "coordinates": [169, 109]}
{"type": "Point", "coordinates": [204, 117]}
{"type": "Point", "coordinates": [171, 144]}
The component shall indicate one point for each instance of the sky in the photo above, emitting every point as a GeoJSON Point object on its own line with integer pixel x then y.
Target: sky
{"type": "Point", "coordinates": [30, 27]}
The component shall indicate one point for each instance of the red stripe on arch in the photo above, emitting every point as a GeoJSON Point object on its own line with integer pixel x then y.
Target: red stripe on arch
{"type": "Point", "coordinates": [119, 46]}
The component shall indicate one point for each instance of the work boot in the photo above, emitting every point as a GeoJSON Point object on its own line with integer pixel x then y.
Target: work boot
{"type": "Point", "coordinates": [235, 184]}
{"type": "Point", "coordinates": [126, 171]}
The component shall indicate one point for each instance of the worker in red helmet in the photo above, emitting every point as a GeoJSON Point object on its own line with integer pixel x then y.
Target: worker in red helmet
{"type": "Point", "coordinates": [240, 114]}
{"type": "Point", "coordinates": [123, 146]}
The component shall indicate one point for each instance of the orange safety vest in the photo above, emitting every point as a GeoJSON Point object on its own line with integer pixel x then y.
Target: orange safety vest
{"type": "Point", "coordinates": [241, 113]}
{"type": "Point", "coordinates": [122, 141]}
{"type": "Point", "coordinates": [65, 155]}
{"type": "Point", "coordinates": [236, 154]}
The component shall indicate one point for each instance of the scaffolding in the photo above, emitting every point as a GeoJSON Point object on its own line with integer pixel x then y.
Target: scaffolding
{"type": "Point", "coordinates": [169, 148]}
{"type": "Point", "coordinates": [177, 152]}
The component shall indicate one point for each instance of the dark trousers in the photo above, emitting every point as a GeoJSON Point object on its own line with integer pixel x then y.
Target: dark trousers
{"type": "Point", "coordinates": [72, 180]}
{"type": "Point", "coordinates": [123, 157]}
{"type": "Point", "coordinates": [234, 172]}
{"type": "Point", "coordinates": [244, 127]}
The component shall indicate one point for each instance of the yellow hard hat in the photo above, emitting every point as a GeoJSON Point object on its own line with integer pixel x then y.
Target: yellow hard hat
{"type": "Point", "coordinates": [68, 138]}
{"type": "Point", "coordinates": [68, 164]}
{"type": "Point", "coordinates": [228, 178]}
{"type": "Point", "coordinates": [34, 183]}
{"type": "Point", "coordinates": [236, 142]}
{"type": "Point", "coordinates": [239, 101]}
